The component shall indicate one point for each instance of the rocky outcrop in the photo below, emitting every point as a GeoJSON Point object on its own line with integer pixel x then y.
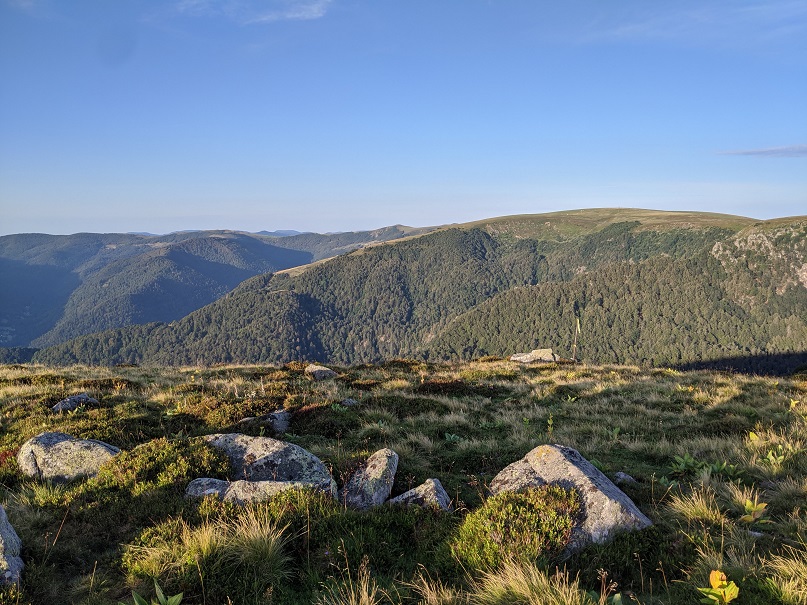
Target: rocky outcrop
{"type": "Point", "coordinates": [429, 494]}
{"type": "Point", "coordinates": [60, 457]}
{"type": "Point", "coordinates": [10, 545]}
{"type": "Point", "coordinates": [241, 492]}
{"type": "Point", "coordinates": [319, 372]}
{"type": "Point", "coordinates": [606, 510]}
{"type": "Point", "coordinates": [74, 401]}
{"type": "Point", "coordinates": [370, 485]}
{"type": "Point", "coordinates": [267, 459]}
{"type": "Point", "coordinates": [545, 355]}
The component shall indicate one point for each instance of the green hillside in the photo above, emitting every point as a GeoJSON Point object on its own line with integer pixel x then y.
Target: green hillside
{"type": "Point", "coordinates": [660, 288]}
{"type": "Point", "coordinates": [60, 287]}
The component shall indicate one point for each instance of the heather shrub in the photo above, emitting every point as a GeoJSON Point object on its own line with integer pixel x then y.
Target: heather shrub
{"type": "Point", "coordinates": [528, 526]}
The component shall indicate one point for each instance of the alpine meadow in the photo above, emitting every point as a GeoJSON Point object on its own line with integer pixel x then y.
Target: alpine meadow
{"type": "Point", "coordinates": [336, 419]}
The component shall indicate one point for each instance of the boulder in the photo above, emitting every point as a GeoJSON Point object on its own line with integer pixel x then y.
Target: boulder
{"type": "Point", "coordinates": [60, 457]}
{"type": "Point", "coordinates": [428, 494]}
{"type": "Point", "coordinates": [267, 459]}
{"type": "Point", "coordinates": [349, 402]}
{"type": "Point", "coordinates": [545, 355]}
{"type": "Point", "coordinates": [319, 372]}
{"type": "Point", "coordinates": [71, 403]}
{"type": "Point", "coordinates": [605, 509]}
{"type": "Point", "coordinates": [10, 545]}
{"type": "Point", "coordinates": [370, 485]}
{"type": "Point", "coordinates": [241, 491]}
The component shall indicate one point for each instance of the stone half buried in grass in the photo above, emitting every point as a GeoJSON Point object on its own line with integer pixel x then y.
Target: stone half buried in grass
{"type": "Point", "coordinates": [278, 421]}
{"type": "Point", "coordinates": [605, 509]}
{"type": "Point", "coordinates": [318, 372]}
{"type": "Point", "coordinates": [60, 457]}
{"type": "Point", "coordinates": [241, 492]}
{"type": "Point", "coordinates": [73, 402]}
{"type": "Point", "coordinates": [536, 355]}
{"type": "Point", "coordinates": [267, 459]}
{"type": "Point", "coordinates": [10, 562]}
{"type": "Point", "coordinates": [428, 494]}
{"type": "Point", "coordinates": [370, 485]}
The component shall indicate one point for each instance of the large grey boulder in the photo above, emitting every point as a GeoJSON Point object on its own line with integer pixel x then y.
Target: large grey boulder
{"type": "Point", "coordinates": [606, 510]}
{"type": "Point", "coordinates": [267, 459]}
{"type": "Point", "coordinates": [74, 401]}
{"type": "Point", "coordinates": [428, 494]}
{"type": "Point", "coordinates": [60, 457]}
{"type": "Point", "coordinates": [370, 485]}
{"type": "Point", "coordinates": [545, 355]}
{"type": "Point", "coordinates": [10, 545]}
{"type": "Point", "coordinates": [241, 492]}
{"type": "Point", "coordinates": [319, 372]}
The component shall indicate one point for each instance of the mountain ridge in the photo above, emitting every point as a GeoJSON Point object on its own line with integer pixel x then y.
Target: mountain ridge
{"type": "Point", "coordinates": [427, 296]}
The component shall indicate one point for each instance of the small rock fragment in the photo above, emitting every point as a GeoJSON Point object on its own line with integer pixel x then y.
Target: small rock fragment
{"type": "Point", "coordinates": [74, 401]}
{"type": "Point", "coordinates": [429, 494]}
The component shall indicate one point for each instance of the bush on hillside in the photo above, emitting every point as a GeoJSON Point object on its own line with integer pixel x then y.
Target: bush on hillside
{"type": "Point", "coordinates": [528, 526]}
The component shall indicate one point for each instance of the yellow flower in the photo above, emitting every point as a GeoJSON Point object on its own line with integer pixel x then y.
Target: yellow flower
{"type": "Point", "coordinates": [717, 579]}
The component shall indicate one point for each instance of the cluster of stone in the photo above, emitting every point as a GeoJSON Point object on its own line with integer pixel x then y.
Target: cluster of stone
{"type": "Point", "coordinates": [264, 466]}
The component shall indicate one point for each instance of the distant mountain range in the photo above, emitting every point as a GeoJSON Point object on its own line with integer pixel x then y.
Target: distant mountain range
{"type": "Point", "coordinates": [57, 287]}
{"type": "Point", "coordinates": [648, 287]}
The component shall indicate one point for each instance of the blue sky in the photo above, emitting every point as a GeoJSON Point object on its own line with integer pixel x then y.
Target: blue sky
{"type": "Point", "coordinates": [333, 115]}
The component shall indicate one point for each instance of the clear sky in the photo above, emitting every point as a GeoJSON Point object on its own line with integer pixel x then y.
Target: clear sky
{"type": "Point", "coordinates": [335, 115]}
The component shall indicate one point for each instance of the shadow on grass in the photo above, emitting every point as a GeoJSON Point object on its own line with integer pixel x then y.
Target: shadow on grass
{"type": "Point", "coordinates": [776, 364]}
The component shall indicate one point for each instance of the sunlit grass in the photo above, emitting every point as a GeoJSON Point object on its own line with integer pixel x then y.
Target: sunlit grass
{"type": "Point", "coordinates": [487, 415]}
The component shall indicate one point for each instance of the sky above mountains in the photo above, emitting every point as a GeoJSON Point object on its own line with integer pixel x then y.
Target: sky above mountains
{"type": "Point", "coordinates": [333, 115]}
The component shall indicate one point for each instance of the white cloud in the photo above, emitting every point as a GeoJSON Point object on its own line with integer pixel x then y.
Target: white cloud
{"type": "Point", "coordinates": [246, 12]}
{"type": "Point", "coordinates": [298, 11]}
{"type": "Point", "coordinates": [722, 23]}
{"type": "Point", "coordinates": [790, 151]}
{"type": "Point", "coordinates": [21, 4]}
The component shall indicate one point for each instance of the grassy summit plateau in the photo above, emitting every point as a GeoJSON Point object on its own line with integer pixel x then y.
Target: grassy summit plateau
{"type": "Point", "coordinates": [720, 463]}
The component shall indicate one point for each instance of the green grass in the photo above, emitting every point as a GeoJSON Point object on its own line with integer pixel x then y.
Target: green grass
{"type": "Point", "coordinates": [701, 445]}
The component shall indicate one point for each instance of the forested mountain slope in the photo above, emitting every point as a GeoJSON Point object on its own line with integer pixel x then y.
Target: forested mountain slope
{"type": "Point", "coordinates": [59, 287]}
{"type": "Point", "coordinates": [661, 292]}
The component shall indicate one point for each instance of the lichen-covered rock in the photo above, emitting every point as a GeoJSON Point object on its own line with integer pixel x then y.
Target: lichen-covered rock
{"type": "Point", "coordinates": [370, 485]}
{"type": "Point", "coordinates": [60, 457]}
{"type": "Point", "coordinates": [74, 401]}
{"type": "Point", "coordinates": [241, 492]}
{"type": "Point", "coordinates": [10, 545]}
{"type": "Point", "coordinates": [318, 372]}
{"type": "Point", "coordinates": [545, 355]}
{"type": "Point", "coordinates": [428, 494]}
{"type": "Point", "coordinates": [267, 459]}
{"type": "Point", "coordinates": [278, 421]}
{"type": "Point", "coordinates": [606, 510]}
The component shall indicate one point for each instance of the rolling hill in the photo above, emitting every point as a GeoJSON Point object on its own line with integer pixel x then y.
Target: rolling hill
{"type": "Point", "coordinates": [648, 287]}
{"type": "Point", "coordinates": [60, 287]}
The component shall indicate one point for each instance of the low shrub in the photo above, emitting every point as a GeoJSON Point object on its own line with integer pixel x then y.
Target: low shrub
{"type": "Point", "coordinates": [528, 526]}
{"type": "Point", "coordinates": [163, 463]}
